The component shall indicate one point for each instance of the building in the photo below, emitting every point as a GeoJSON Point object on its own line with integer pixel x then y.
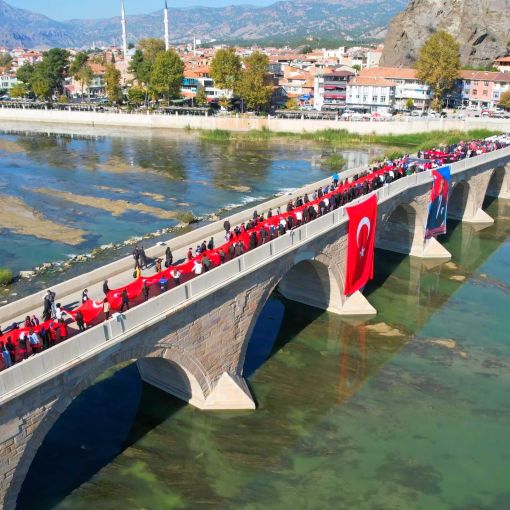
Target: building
{"type": "Point", "coordinates": [482, 89]}
{"type": "Point", "coordinates": [330, 89]}
{"type": "Point", "coordinates": [407, 86]}
{"type": "Point", "coordinates": [7, 81]}
{"type": "Point", "coordinates": [297, 84]}
{"type": "Point", "coordinates": [197, 78]}
{"type": "Point", "coordinates": [370, 94]}
{"type": "Point", "coordinates": [502, 64]}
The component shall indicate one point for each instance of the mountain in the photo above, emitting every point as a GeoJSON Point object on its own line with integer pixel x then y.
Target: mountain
{"type": "Point", "coordinates": [481, 27]}
{"type": "Point", "coordinates": [283, 20]}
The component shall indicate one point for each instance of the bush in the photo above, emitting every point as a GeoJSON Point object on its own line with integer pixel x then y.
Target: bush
{"type": "Point", "coordinates": [334, 162]}
{"type": "Point", "coordinates": [6, 276]}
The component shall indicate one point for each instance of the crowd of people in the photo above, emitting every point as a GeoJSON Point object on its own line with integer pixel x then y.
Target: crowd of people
{"type": "Point", "coordinates": [22, 340]}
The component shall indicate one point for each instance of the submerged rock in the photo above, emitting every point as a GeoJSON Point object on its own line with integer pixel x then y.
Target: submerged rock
{"type": "Point", "coordinates": [449, 343]}
{"type": "Point", "coordinates": [384, 329]}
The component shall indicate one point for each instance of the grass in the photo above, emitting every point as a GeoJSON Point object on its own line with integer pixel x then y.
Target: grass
{"type": "Point", "coordinates": [6, 276]}
{"type": "Point", "coordinates": [342, 138]}
{"type": "Point", "coordinates": [334, 162]}
{"type": "Point", "coordinates": [185, 217]}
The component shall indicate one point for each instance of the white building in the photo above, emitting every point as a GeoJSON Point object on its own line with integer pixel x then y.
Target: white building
{"type": "Point", "coordinates": [366, 94]}
{"type": "Point", "coordinates": [407, 86]}
{"type": "Point", "coordinates": [7, 81]}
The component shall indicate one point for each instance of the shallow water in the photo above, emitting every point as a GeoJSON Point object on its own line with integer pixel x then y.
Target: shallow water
{"type": "Point", "coordinates": [164, 171]}
{"type": "Point", "coordinates": [407, 411]}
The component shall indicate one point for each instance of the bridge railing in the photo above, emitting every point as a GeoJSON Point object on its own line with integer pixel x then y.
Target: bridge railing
{"type": "Point", "coordinates": [111, 333]}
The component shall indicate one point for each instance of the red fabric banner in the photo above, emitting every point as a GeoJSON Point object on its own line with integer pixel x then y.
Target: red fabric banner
{"type": "Point", "coordinates": [90, 310]}
{"type": "Point", "coordinates": [360, 244]}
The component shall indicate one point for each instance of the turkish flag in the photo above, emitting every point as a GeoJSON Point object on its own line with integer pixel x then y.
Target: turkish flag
{"type": "Point", "coordinates": [360, 244]}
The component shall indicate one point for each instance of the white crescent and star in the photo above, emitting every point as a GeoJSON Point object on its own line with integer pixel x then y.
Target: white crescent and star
{"type": "Point", "coordinates": [365, 222]}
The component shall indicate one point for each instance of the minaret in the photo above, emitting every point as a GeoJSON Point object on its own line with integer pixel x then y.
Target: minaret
{"type": "Point", "coordinates": [124, 34]}
{"type": "Point", "coordinates": [167, 40]}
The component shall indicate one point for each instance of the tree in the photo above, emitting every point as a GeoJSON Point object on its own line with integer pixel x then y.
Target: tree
{"type": "Point", "coordinates": [136, 95]}
{"type": "Point", "coordinates": [41, 85]}
{"type": "Point", "coordinates": [201, 96]}
{"type": "Point", "coordinates": [438, 63]}
{"type": "Point", "coordinates": [5, 60]}
{"type": "Point", "coordinates": [292, 104]}
{"type": "Point", "coordinates": [25, 74]}
{"type": "Point", "coordinates": [151, 48]}
{"type": "Point", "coordinates": [79, 61]}
{"type": "Point", "coordinates": [504, 100]}
{"type": "Point", "coordinates": [225, 69]}
{"type": "Point", "coordinates": [167, 74]}
{"type": "Point", "coordinates": [140, 67]}
{"type": "Point", "coordinates": [19, 90]}
{"type": "Point", "coordinates": [54, 68]}
{"type": "Point", "coordinates": [409, 104]}
{"type": "Point", "coordinates": [254, 85]}
{"type": "Point", "coordinates": [112, 79]}
{"type": "Point", "coordinates": [84, 76]}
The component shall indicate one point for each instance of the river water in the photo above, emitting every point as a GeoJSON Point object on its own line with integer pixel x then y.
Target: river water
{"type": "Point", "coordinates": [410, 410]}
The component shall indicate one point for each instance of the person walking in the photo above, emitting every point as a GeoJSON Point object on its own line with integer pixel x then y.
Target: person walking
{"type": "Point", "coordinates": [158, 265]}
{"type": "Point", "coordinates": [106, 289]}
{"type": "Point", "coordinates": [80, 321]}
{"type": "Point", "coordinates": [12, 350]}
{"type": "Point", "coordinates": [85, 296]}
{"type": "Point", "coordinates": [210, 244]}
{"type": "Point", "coordinates": [5, 355]}
{"type": "Point", "coordinates": [197, 268]}
{"type": "Point", "coordinates": [143, 258]}
{"type": "Point", "coordinates": [106, 309]}
{"type": "Point", "coordinates": [145, 291]}
{"type": "Point", "coordinates": [190, 254]}
{"type": "Point", "coordinates": [206, 263]}
{"type": "Point", "coordinates": [169, 258]}
{"type": "Point", "coordinates": [125, 300]}
{"type": "Point", "coordinates": [176, 276]}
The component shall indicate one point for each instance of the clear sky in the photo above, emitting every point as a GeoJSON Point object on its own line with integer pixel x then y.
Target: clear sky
{"type": "Point", "coordinates": [69, 9]}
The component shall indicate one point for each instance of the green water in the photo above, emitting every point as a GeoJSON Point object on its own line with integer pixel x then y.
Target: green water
{"type": "Point", "coordinates": [408, 411]}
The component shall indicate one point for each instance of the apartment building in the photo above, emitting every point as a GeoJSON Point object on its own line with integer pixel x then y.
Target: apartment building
{"type": "Point", "coordinates": [482, 89]}
{"type": "Point", "coordinates": [330, 89]}
{"type": "Point", "coordinates": [407, 86]}
{"type": "Point", "coordinates": [371, 94]}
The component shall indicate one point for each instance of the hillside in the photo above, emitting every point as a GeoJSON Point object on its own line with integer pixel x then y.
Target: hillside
{"type": "Point", "coordinates": [481, 27]}
{"type": "Point", "coordinates": [342, 19]}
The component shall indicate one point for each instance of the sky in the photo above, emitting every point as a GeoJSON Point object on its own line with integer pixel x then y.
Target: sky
{"type": "Point", "coordinates": [69, 9]}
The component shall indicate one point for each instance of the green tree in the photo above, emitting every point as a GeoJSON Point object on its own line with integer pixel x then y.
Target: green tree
{"type": "Point", "coordinates": [19, 90]}
{"type": "Point", "coordinates": [438, 63]}
{"type": "Point", "coordinates": [254, 86]}
{"type": "Point", "coordinates": [151, 48]}
{"type": "Point", "coordinates": [136, 95]}
{"type": "Point", "coordinates": [113, 88]}
{"type": "Point", "coordinates": [5, 60]}
{"type": "Point", "coordinates": [41, 84]}
{"type": "Point", "coordinates": [201, 97]}
{"type": "Point", "coordinates": [225, 69]}
{"type": "Point", "coordinates": [167, 74]}
{"type": "Point", "coordinates": [140, 67]}
{"type": "Point", "coordinates": [25, 74]}
{"type": "Point", "coordinates": [84, 76]}
{"type": "Point", "coordinates": [54, 68]}
{"type": "Point", "coordinates": [79, 61]}
{"type": "Point", "coordinates": [409, 104]}
{"type": "Point", "coordinates": [504, 100]}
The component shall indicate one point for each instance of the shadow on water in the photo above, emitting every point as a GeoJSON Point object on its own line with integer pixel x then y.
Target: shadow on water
{"type": "Point", "coordinates": [279, 321]}
{"type": "Point", "coordinates": [100, 423]}
{"type": "Point", "coordinates": [386, 263]}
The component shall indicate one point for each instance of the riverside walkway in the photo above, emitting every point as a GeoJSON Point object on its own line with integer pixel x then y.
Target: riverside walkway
{"type": "Point", "coordinates": [191, 340]}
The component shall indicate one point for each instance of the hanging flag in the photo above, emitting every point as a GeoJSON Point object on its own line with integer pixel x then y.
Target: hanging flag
{"type": "Point", "coordinates": [436, 220]}
{"type": "Point", "coordinates": [360, 244]}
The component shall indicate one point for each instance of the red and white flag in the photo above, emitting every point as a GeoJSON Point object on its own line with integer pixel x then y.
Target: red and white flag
{"type": "Point", "coordinates": [360, 244]}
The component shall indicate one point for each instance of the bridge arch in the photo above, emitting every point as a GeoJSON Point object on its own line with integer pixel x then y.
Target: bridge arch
{"type": "Point", "coordinates": [180, 368]}
{"type": "Point", "coordinates": [402, 229]}
{"type": "Point", "coordinates": [314, 280]}
{"type": "Point", "coordinates": [499, 183]}
{"type": "Point", "coordinates": [461, 201]}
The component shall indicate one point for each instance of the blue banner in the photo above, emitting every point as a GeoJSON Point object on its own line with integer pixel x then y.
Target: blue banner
{"type": "Point", "coordinates": [438, 206]}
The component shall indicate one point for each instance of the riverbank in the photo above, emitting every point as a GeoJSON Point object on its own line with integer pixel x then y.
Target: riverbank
{"type": "Point", "coordinates": [246, 124]}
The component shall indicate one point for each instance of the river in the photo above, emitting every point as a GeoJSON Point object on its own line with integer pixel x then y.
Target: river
{"type": "Point", "coordinates": [407, 411]}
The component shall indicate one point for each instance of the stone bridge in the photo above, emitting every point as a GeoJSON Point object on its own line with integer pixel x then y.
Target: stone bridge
{"type": "Point", "coordinates": [191, 341]}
